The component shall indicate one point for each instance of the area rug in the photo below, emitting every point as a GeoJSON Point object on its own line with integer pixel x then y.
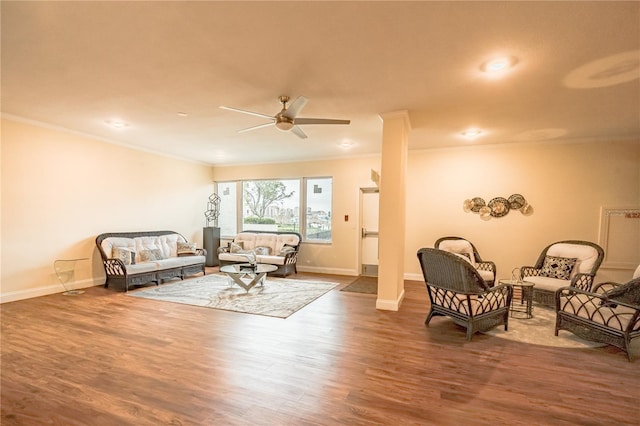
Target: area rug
{"type": "Point", "coordinates": [540, 330]}
{"type": "Point", "coordinates": [363, 284]}
{"type": "Point", "coordinates": [276, 298]}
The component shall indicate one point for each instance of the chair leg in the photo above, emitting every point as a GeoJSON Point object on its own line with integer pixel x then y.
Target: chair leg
{"type": "Point", "coordinates": [429, 317]}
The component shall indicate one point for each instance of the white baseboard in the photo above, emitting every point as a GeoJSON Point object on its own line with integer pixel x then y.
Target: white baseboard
{"type": "Point", "coordinates": [389, 304]}
{"type": "Point", "coordinates": [330, 271]}
{"type": "Point", "coordinates": [414, 277]}
{"type": "Point", "coordinates": [13, 296]}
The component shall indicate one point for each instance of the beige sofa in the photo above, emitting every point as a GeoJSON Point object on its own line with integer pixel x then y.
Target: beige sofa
{"type": "Point", "coordinates": [274, 248]}
{"type": "Point", "coordinates": [134, 258]}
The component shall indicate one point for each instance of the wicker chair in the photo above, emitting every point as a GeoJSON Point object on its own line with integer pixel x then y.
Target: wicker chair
{"type": "Point", "coordinates": [457, 290]}
{"type": "Point", "coordinates": [601, 315]}
{"type": "Point", "coordinates": [458, 245]}
{"type": "Point", "coordinates": [587, 257]}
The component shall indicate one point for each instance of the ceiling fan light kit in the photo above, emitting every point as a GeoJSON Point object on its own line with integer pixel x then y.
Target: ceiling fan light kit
{"type": "Point", "coordinates": [287, 120]}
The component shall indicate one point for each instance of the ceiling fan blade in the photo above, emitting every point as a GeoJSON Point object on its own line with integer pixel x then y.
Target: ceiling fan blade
{"type": "Point", "coordinates": [295, 107]}
{"type": "Point", "coordinates": [257, 114]}
{"type": "Point", "coordinates": [298, 132]}
{"type": "Point", "coordinates": [259, 126]}
{"type": "Point", "coordinates": [320, 121]}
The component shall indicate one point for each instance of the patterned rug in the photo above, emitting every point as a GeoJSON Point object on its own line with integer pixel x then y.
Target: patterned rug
{"type": "Point", "coordinates": [540, 330]}
{"type": "Point", "coordinates": [276, 298]}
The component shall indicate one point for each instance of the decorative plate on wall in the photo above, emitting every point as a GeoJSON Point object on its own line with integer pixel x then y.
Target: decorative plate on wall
{"type": "Point", "coordinates": [478, 203]}
{"type": "Point", "coordinates": [499, 206]}
{"type": "Point", "coordinates": [516, 201]}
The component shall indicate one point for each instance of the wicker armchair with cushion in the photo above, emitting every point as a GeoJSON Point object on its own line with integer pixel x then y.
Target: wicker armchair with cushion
{"type": "Point", "coordinates": [457, 290]}
{"type": "Point", "coordinates": [609, 314]}
{"type": "Point", "coordinates": [458, 245]}
{"type": "Point", "coordinates": [561, 264]}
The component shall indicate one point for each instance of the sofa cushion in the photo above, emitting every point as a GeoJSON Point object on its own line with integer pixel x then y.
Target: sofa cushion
{"type": "Point", "coordinates": [141, 267]}
{"type": "Point", "coordinates": [557, 267]}
{"type": "Point", "coordinates": [272, 260]}
{"type": "Point", "coordinates": [546, 283]}
{"type": "Point", "coordinates": [184, 248]}
{"type": "Point", "coordinates": [177, 262]}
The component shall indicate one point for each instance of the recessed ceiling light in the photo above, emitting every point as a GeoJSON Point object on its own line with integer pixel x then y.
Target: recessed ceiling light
{"type": "Point", "coordinates": [345, 144]}
{"type": "Point", "coordinates": [116, 123]}
{"type": "Point", "coordinates": [498, 65]}
{"type": "Point", "coordinates": [472, 133]}
{"type": "Point", "coordinates": [182, 114]}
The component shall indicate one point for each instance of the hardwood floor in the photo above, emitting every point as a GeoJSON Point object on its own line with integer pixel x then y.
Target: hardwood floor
{"type": "Point", "coordinates": [104, 358]}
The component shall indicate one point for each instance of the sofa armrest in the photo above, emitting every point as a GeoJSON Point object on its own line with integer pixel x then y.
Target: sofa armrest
{"type": "Point", "coordinates": [582, 281]}
{"type": "Point", "coordinates": [291, 257]}
{"type": "Point", "coordinates": [114, 267]}
{"type": "Point", "coordinates": [486, 266]}
{"type": "Point", "coordinates": [529, 271]}
{"type": "Point", "coordinates": [604, 287]}
{"type": "Point", "coordinates": [201, 252]}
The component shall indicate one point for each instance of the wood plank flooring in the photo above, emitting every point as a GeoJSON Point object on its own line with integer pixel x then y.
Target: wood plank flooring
{"type": "Point", "coordinates": [104, 358]}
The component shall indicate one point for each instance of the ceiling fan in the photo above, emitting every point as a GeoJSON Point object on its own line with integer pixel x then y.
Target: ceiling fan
{"type": "Point", "coordinates": [287, 120]}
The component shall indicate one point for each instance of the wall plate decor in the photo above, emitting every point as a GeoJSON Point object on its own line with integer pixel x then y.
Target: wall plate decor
{"type": "Point", "coordinates": [498, 206]}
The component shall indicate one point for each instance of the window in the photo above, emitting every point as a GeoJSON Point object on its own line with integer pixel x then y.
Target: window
{"type": "Point", "coordinates": [227, 221]}
{"type": "Point", "coordinates": [299, 205]}
{"type": "Point", "coordinates": [271, 205]}
{"type": "Point", "coordinates": [318, 208]}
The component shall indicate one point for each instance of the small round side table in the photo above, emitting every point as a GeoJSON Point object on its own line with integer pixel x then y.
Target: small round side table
{"type": "Point", "coordinates": [522, 301]}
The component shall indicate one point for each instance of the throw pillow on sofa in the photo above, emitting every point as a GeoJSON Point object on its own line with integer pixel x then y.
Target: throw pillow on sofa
{"type": "Point", "coordinates": [185, 249]}
{"type": "Point", "coordinates": [286, 249]}
{"type": "Point", "coordinates": [151, 255]}
{"type": "Point", "coordinates": [262, 251]}
{"type": "Point", "coordinates": [127, 256]}
{"type": "Point", "coordinates": [236, 247]}
{"type": "Point", "coordinates": [558, 267]}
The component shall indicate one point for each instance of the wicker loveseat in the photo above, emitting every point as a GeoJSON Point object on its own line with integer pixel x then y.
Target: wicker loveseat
{"type": "Point", "coordinates": [134, 258]}
{"type": "Point", "coordinates": [457, 290]}
{"type": "Point", "coordinates": [608, 314]}
{"type": "Point", "coordinates": [275, 248]}
{"type": "Point", "coordinates": [564, 263]}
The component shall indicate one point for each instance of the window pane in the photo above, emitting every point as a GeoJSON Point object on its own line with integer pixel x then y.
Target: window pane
{"type": "Point", "coordinates": [318, 217]}
{"type": "Point", "coordinates": [227, 221]}
{"type": "Point", "coordinates": [271, 205]}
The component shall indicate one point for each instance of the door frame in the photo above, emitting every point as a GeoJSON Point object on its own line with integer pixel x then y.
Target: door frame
{"type": "Point", "coordinates": [362, 192]}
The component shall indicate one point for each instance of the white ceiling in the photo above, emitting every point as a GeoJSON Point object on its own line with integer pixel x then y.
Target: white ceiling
{"type": "Point", "coordinates": [77, 65]}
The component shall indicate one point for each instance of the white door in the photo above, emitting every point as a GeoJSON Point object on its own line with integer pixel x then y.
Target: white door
{"type": "Point", "coordinates": [369, 204]}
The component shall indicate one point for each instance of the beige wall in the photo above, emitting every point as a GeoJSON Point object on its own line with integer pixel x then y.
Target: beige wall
{"type": "Point", "coordinates": [60, 190]}
{"type": "Point", "coordinates": [565, 183]}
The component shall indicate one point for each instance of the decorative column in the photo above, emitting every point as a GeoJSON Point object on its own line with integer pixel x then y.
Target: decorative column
{"type": "Point", "coordinates": [395, 140]}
